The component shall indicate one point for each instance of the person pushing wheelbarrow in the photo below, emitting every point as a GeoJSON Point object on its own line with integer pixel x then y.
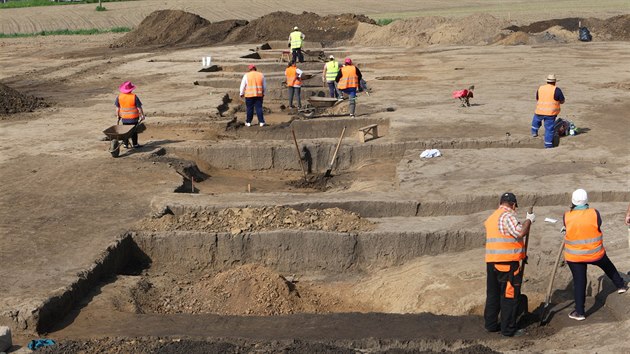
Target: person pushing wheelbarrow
{"type": "Point", "coordinates": [129, 110]}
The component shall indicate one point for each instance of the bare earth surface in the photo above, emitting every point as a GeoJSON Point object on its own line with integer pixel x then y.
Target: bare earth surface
{"type": "Point", "coordinates": [64, 201]}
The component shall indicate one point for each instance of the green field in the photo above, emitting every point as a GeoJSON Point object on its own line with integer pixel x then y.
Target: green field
{"type": "Point", "coordinates": [66, 32]}
{"type": "Point", "coordinates": [31, 3]}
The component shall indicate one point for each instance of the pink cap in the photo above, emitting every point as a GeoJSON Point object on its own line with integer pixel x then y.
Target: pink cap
{"type": "Point", "coordinates": [348, 61]}
{"type": "Point", "coordinates": [251, 67]}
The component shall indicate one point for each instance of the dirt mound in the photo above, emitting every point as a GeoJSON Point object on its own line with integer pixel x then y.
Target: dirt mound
{"type": "Point", "coordinates": [278, 25]}
{"type": "Point", "coordinates": [163, 28]}
{"type": "Point", "coordinates": [482, 29]}
{"type": "Point", "coordinates": [615, 28]}
{"type": "Point", "coordinates": [176, 27]}
{"type": "Point", "coordinates": [245, 290]}
{"type": "Point", "coordinates": [12, 101]}
{"type": "Point", "coordinates": [475, 29]}
{"type": "Point", "coordinates": [237, 220]}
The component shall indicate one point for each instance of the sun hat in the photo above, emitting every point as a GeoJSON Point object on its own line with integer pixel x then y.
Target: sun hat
{"type": "Point", "coordinates": [579, 197]}
{"type": "Point", "coordinates": [551, 78]}
{"type": "Point", "coordinates": [251, 67]}
{"type": "Point", "coordinates": [508, 197]}
{"type": "Point", "coordinates": [126, 87]}
{"type": "Point", "coordinates": [348, 61]}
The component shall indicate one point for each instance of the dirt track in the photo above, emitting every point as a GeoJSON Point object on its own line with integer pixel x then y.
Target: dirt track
{"type": "Point", "coordinates": [65, 201]}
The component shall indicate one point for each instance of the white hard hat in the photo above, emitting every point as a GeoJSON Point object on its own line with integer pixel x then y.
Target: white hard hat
{"type": "Point", "coordinates": [331, 57]}
{"type": "Point", "coordinates": [295, 28]}
{"type": "Point", "coordinates": [579, 197]}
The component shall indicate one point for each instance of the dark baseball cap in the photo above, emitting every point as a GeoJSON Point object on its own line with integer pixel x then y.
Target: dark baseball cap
{"type": "Point", "coordinates": [508, 197]}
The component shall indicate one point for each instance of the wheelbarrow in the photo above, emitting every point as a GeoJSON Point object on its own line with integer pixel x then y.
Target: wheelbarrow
{"type": "Point", "coordinates": [119, 134]}
{"type": "Point", "coordinates": [316, 106]}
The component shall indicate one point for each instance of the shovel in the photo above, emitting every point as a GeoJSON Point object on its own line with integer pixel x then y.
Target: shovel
{"type": "Point", "coordinates": [332, 161]}
{"type": "Point", "coordinates": [545, 313]}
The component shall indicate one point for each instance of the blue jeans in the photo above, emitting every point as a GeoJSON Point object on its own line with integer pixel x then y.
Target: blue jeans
{"type": "Point", "coordinates": [578, 270]}
{"type": "Point", "coordinates": [352, 93]}
{"type": "Point", "coordinates": [296, 54]}
{"type": "Point", "coordinates": [332, 89]}
{"type": "Point", "coordinates": [251, 103]}
{"type": "Point", "coordinates": [295, 91]}
{"type": "Point", "coordinates": [549, 128]}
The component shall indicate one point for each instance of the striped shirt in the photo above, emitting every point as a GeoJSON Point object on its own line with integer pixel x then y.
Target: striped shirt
{"type": "Point", "coordinates": [508, 224]}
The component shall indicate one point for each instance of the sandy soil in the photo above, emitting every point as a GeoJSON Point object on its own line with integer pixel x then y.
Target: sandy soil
{"type": "Point", "coordinates": [64, 199]}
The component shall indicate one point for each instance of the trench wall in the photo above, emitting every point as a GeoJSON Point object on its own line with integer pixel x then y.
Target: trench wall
{"type": "Point", "coordinates": [252, 157]}
{"type": "Point", "coordinates": [299, 251]}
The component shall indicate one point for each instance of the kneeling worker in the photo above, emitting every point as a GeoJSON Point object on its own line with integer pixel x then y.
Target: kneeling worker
{"type": "Point", "coordinates": [505, 248]}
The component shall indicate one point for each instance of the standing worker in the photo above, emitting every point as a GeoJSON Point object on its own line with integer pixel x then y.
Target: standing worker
{"type": "Point", "coordinates": [505, 248]}
{"type": "Point", "coordinates": [129, 110]}
{"type": "Point", "coordinates": [294, 83]}
{"type": "Point", "coordinates": [348, 82]}
{"type": "Point", "coordinates": [583, 245]}
{"type": "Point", "coordinates": [253, 87]}
{"type": "Point", "coordinates": [549, 98]}
{"type": "Point", "coordinates": [329, 75]}
{"type": "Point", "coordinates": [296, 39]}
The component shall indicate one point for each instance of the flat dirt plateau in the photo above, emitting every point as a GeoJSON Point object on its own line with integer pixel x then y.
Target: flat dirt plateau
{"type": "Point", "coordinates": [214, 237]}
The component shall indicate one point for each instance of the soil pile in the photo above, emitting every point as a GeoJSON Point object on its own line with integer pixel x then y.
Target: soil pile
{"type": "Point", "coordinates": [12, 101]}
{"type": "Point", "coordinates": [174, 27]}
{"type": "Point", "coordinates": [163, 28]}
{"type": "Point", "coordinates": [483, 29]}
{"type": "Point", "coordinates": [278, 25]}
{"type": "Point", "coordinates": [476, 29]}
{"type": "Point", "coordinates": [615, 28]}
{"type": "Point", "coordinates": [245, 290]}
{"type": "Point", "coordinates": [237, 220]}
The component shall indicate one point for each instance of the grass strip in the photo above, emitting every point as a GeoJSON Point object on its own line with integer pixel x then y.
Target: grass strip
{"type": "Point", "coordinates": [66, 32]}
{"type": "Point", "coordinates": [33, 3]}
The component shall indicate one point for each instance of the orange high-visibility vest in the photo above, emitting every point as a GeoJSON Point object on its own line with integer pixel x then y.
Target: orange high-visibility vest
{"type": "Point", "coordinates": [127, 103]}
{"type": "Point", "coordinates": [547, 105]}
{"type": "Point", "coordinates": [292, 77]}
{"type": "Point", "coordinates": [349, 77]}
{"type": "Point", "coordinates": [583, 240]}
{"type": "Point", "coordinates": [254, 84]}
{"type": "Point", "coordinates": [500, 247]}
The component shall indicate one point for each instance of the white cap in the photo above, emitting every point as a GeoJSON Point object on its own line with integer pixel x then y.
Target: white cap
{"type": "Point", "coordinates": [295, 28]}
{"type": "Point", "coordinates": [331, 57]}
{"type": "Point", "coordinates": [579, 197]}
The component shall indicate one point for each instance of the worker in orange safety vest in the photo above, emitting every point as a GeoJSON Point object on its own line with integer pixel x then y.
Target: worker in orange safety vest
{"type": "Point", "coordinates": [584, 245]}
{"type": "Point", "coordinates": [548, 101]}
{"type": "Point", "coordinates": [505, 248]}
{"type": "Point", "coordinates": [294, 83]}
{"type": "Point", "coordinates": [348, 79]}
{"type": "Point", "coordinates": [253, 86]}
{"type": "Point", "coordinates": [129, 110]}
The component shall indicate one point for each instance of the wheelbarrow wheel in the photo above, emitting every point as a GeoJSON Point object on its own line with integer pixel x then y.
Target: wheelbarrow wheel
{"type": "Point", "coordinates": [114, 148]}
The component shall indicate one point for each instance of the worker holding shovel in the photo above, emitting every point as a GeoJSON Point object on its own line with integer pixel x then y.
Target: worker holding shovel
{"type": "Point", "coordinates": [505, 248]}
{"type": "Point", "coordinates": [583, 245]}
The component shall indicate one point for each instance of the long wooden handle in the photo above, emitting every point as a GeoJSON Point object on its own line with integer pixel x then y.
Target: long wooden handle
{"type": "Point", "coordinates": [297, 148]}
{"type": "Point", "coordinates": [337, 149]}
{"type": "Point", "coordinates": [553, 273]}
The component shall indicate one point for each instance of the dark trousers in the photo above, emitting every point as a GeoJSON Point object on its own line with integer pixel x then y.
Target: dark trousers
{"type": "Point", "coordinates": [297, 55]}
{"type": "Point", "coordinates": [295, 90]}
{"type": "Point", "coordinates": [134, 135]}
{"type": "Point", "coordinates": [251, 103]}
{"type": "Point", "coordinates": [579, 279]}
{"type": "Point", "coordinates": [500, 302]}
{"type": "Point", "coordinates": [332, 89]}
{"type": "Point", "coordinates": [549, 122]}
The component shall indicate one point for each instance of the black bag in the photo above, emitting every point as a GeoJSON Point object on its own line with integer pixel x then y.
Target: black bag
{"type": "Point", "coordinates": [584, 35]}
